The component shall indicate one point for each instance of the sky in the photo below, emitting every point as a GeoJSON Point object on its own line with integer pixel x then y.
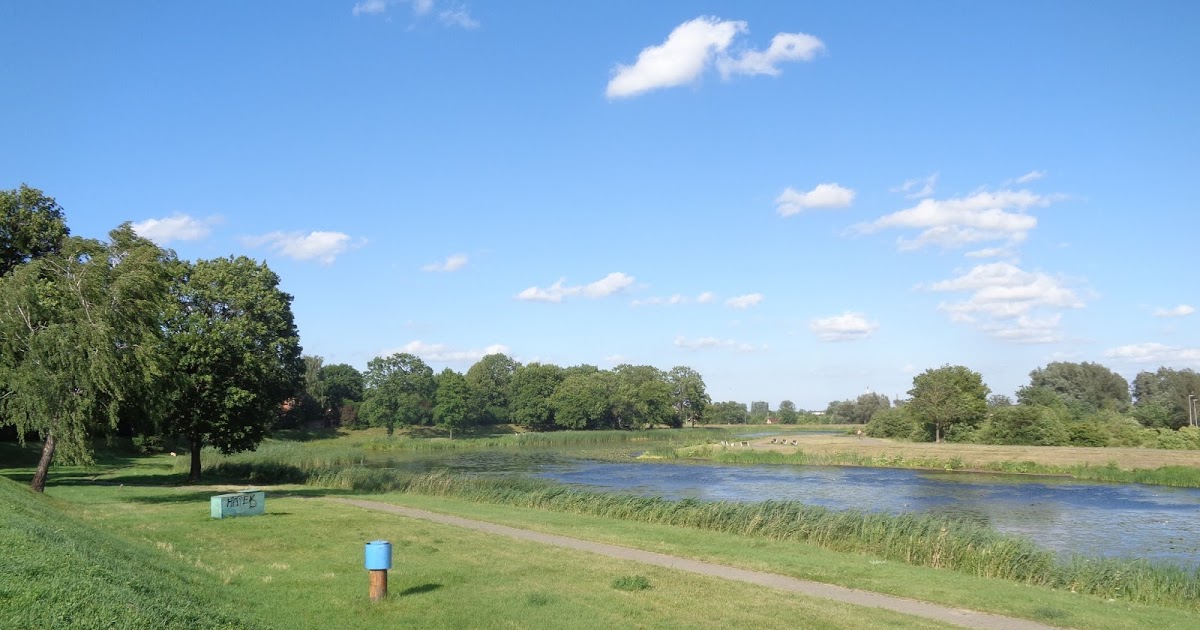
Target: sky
{"type": "Point", "coordinates": [803, 201]}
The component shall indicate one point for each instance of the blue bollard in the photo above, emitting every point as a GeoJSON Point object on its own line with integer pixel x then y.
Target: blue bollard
{"type": "Point", "coordinates": [378, 554]}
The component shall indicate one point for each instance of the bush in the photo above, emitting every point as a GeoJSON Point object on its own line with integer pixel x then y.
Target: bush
{"type": "Point", "coordinates": [1026, 424]}
{"type": "Point", "coordinates": [893, 422]}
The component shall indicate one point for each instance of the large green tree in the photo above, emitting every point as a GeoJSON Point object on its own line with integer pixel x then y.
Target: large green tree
{"type": "Point", "coordinates": [787, 412]}
{"type": "Point", "coordinates": [949, 396]}
{"type": "Point", "coordinates": [1162, 396]}
{"type": "Point", "coordinates": [80, 333]}
{"type": "Point", "coordinates": [236, 350]}
{"type": "Point", "coordinates": [689, 396]}
{"type": "Point", "coordinates": [489, 381]}
{"type": "Point", "coordinates": [584, 401]}
{"type": "Point", "coordinates": [530, 390]}
{"type": "Point", "coordinates": [453, 408]}
{"type": "Point", "coordinates": [641, 397]}
{"type": "Point", "coordinates": [400, 391]}
{"type": "Point", "coordinates": [728, 412]}
{"type": "Point", "coordinates": [1085, 387]}
{"type": "Point", "coordinates": [343, 388]}
{"type": "Point", "coordinates": [31, 225]}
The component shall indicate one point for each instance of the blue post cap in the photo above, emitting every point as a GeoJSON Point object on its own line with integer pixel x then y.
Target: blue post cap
{"type": "Point", "coordinates": [378, 555]}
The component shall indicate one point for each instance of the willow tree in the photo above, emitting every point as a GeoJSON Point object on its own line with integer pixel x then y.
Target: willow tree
{"type": "Point", "coordinates": [80, 332]}
{"type": "Point", "coordinates": [236, 354]}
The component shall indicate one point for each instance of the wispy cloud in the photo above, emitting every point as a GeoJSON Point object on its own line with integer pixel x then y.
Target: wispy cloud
{"type": "Point", "coordinates": [743, 302]}
{"type": "Point", "coordinates": [1178, 311]}
{"type": "Point", "coordinates": [178, 227]}
{"type": "Point", "coordinates": [832, 195]}
{"type": "Point", "coordinates": [608, 285]}
{"type": "Point", "coordinates": [1031, 176]}
{"type": "Point", "coordinates": [675, 300]}
{"type": "Point", "coordinates": [322, 246]}
{"type": "Point", "coordinates": [910, 187]}
{"type": "Point", "coordinates": [441, 353]}
{"type": "Point", "coordinates": [458, 15]}
{"type": "Point", "coordinates": [955, 222]}
{"type": "Point", "coordinates": [716, 343]}
{"type": "Point", "coordinates": [453, 262]}
{"type": "Point", "coordinates": [695, 46]}
{"type": "Point", "coordinates": [848, 326]}
{"type": "Point", "coordinates": [1156, 353]}
{"type": "Point", "coordinates": [1009, 303]}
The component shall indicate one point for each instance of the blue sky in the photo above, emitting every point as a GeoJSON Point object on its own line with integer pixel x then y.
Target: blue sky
{"type": "Point", "coordinates": [802, 201]}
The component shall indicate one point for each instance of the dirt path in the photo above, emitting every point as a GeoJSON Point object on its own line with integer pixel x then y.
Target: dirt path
{"type": "Point", "coordinates": [961, 617]}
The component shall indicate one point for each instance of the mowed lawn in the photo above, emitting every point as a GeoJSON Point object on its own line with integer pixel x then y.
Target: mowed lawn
{"type": "Point", "coordinates": [301, 566]}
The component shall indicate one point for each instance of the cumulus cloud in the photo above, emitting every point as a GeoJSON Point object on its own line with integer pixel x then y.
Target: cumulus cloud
{"type": "Point", "coordinates": [323, 246]}
{"type": "Point", "coordinates": [441, 353]}
{"type": "Point", "coordinates": [848, 326]}
{"type": "Point", "coordinates": [453, 262]}
{"type": "Point", "coordinates": [1005, 301]}
{"type": "Point", "coordinates": [695, 46]}
{"type": "Point", "coordinates": [955, 222]}
{"type": "Point", "coordinates": [743, 302]}
{"type": "Point", "coordinates": [715, 343]}
{"type": "Point", "coordinates": [910, 187]}
{"type": "Point", "coordinates": [1179, 311]}
{"type": "Point", "coordinates": [1155, 353]}
{"type": "Point", "coordinates": [674, 300]}
{"type": "Point", "coordinates": [792, 201]}
{"type": "Point", "coordinates": [178, 227]}
{"type": "Point", "coordinates": [608, 285]}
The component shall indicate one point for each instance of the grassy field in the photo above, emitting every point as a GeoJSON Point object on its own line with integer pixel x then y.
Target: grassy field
{"type": "Point", "coordinates": [131, 516]}
{"type": "Point", "coordinates": [300, 566]}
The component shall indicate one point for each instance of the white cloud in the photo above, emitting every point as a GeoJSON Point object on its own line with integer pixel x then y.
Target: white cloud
{"type": "Point", "coordinates": [370, 7]}
{"type": "Point", "coordinates": [674, 300]}
{"type": "Point", "coordinates": [1178, 311]}
{"type": "Point", "coordinates": [694, 46]}
{"type": "Point", "coordinates": [784, 47]}
{"type": "Point", "coordinates": [422, 7]}
{"type": "Point", "coordinates": [440, 353]}
{"type": "Point", "coordinates": [952, 223]}
{"type": "Point", "coordinates": [1161, 354]}
{"type": "Point", "coordinates": [909, 187]}
{"type": "Point", "coordinates": [608, 285]}
{"type": "Point", "coordinates": [460, 17]}
{"type": "Point", "coordinates": [715, 343]}
{"type": "Point", "coordinates": [1031, 176]}
{"type": "Point", "coordinates": [1005, 299]}
{"type": "Point", "coordinates": [453, 262]}
{"type": "Point", "coordinates": [743, 302]}
{"type": "Point", "coordinates": [178, 227]}
{"type": "Point", "coordinates": [792, 201]}
{"type": "Point", "coordinates": [323, 246]}
{"type": "Point", "coordinates": [991, 252]}
{"type": "Point", "coordinates": [848, 326]}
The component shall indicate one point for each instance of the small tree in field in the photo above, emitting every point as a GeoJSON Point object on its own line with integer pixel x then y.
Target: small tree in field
{"type": "Point", "coordinates": [948, 396]}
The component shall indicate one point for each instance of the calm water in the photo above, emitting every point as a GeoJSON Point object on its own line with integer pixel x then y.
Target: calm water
{"type": "Point", "coordinates": [1092, 519]}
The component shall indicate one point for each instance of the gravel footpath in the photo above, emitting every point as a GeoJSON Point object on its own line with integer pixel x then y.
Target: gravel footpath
{"type": "Point", "coordinates": [957, 616]}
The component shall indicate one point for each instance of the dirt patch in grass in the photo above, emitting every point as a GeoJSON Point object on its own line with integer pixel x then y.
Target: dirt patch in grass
{"type": "Point", "coordinates": [980, 454]}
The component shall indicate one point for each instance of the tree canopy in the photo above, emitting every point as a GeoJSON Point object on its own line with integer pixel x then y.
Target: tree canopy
{"type": "Point", "coordinates": [946, 397]}
{"type": "Point", "coordinates": [79, 335]}
{"type": "Point", "coordinates": [1084, 387]}
{"type": "Point", "coordinates": [400, 391]}
{"type": "Point", "coordinates": [236, 350]}
{"type": "Point", "coordinates": [31, 225]}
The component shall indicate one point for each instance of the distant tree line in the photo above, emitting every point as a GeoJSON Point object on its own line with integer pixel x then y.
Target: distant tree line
{"type": "Point", "coordinates": [1064, 404]}
{"type": "Point", "coordinates": [402, 390]}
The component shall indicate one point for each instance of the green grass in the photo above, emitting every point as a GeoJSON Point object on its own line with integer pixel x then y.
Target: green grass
{"type": "Point", "coordinates": [631, 583]}
{"type": "Point", "coordinates": [300, 566]}
{"type": "Point", "coordinates": [60, 573]}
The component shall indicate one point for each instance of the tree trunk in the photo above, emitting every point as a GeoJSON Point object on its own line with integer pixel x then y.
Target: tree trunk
{"type": "Point", "coordinates": [43, 467]}
{"type": "Point", "coordinates": [195, 473]}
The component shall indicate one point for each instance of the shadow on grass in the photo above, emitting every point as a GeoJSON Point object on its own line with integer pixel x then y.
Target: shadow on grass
{"type": "Point", "coordinates": [307, 435]}
{"type": "Point", "coordinates": [420, 588]}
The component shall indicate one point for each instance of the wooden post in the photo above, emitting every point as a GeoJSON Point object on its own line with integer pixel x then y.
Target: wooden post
{"type": "Point", "coordinates": [378, 584]}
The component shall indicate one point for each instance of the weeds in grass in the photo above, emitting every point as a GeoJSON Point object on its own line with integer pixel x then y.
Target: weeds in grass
{"type": "Point", "coordinates": [631, 583]}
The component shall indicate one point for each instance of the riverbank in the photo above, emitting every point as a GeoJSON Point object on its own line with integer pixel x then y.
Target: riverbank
{"type": "Point", "coordinates": [1117, 465]}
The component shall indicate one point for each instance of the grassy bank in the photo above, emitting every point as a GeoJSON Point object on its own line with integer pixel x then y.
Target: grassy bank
{"type": "Point", "coordinates": [300, 566]}
{"type": "Point", "coordinates": [61, 573]}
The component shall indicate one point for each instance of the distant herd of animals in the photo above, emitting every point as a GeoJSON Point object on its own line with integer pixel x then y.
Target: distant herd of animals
{"type": "Point", "coordinates": [773, 441]}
